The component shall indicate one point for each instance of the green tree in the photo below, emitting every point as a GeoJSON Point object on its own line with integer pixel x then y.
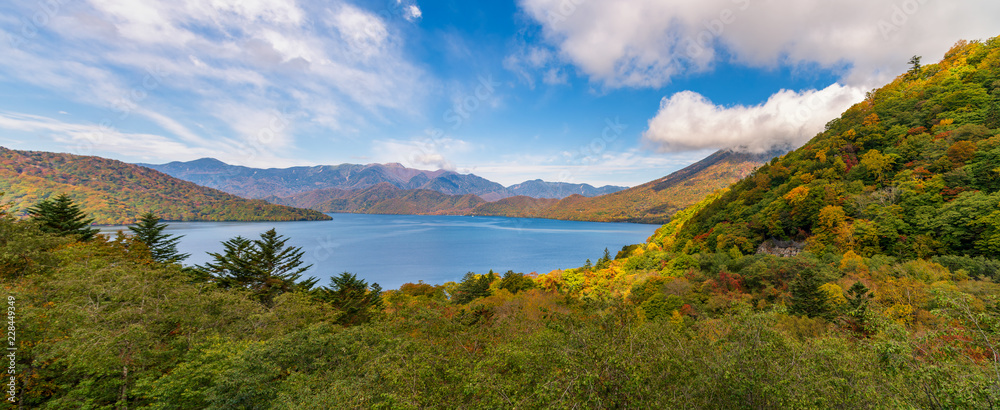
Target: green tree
{"type": "Point", "coordinates": [358, 301]}
{"type": "Point", "coordinates": [604, 261]}
{"type": "Point", "coordinates": [163, 247]}
{"type": "Point", "coordinates": [24, 248]}
{"type": "Point", "coordinates": [993, 116]}
{"type": "Point", "coordinates": [63, 217]}
{"type": "Point", "coordinates": [877, 164]}
{"type": "Point", "coordinates": [266, 266]}
{"type": "Point", "coordinates": [473, 287]}
{"type": "Point", "coordinates": [914, 66]}
{"type": "Point", "coordinates": [807, 298]}
{"type": "Point", "coordinates": [516, 282]}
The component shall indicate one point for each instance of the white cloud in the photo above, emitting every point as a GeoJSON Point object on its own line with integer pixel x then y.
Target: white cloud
{"type": "Point", "coordinates": [421, 153]}
{"type": "Point", "coordinates": [689, 121]}
{"type": "Point", "coordinates": [364, 33]}
{"type": "Point", "coordinates": [413, 13]}
{"type": "Point", "coordinates": [645, 43]}
{"type": "Point", "coordinates": [333, 65]}
{"type": "Point", "coordinates": [527, 60]}
{"type": "Point", "coordinates": [97, 139]}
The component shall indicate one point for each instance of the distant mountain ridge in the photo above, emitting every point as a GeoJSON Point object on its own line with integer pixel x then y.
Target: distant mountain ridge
{"type": "Point", "coordinates": [652, 202]}
{"type": "Point", "coordinates": [114, 192]}
{"type": "Point", "coordinates": [383, 198]}
{"type": "Point", "coordinates": [261, 183]}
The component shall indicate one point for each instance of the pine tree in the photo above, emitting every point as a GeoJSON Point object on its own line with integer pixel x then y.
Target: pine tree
{"type": "Point", "coordinates": [807, 298]}
{"type": "Point", "coordinates": [163, 247]}
{"type": "Point", "coordinates": [63, 217]}
{"type": "Point", "coordinates": [265, 266]}
{"type": "Point", "coordinates": [604, 261]}
{"type": "Point", "coordinates": [516, 282]}
{"type": "Point", "coordinates": [232, 268]}
{"type": "Point", "coordinates": [473, 287]}
{"type": "Point", "coordinates": [993, 115]}
{"type": "Point", "coordinates": [914, 66]}
{"type": "Point", "coordinates": [358, 301]}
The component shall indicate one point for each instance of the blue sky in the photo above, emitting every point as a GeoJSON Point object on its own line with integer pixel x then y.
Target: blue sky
{"type": "Point", "coordinates": [603, 92]}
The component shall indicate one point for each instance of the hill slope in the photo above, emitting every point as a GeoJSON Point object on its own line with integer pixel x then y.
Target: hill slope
{"type": "Point", "coordinates": [383, 198]}
{"type": "Point", "coordinates": [912, 171]}
{"type": "Point", "coordinates": [652, 202]}
{"type": "Point", "coordinates": [114, 192]}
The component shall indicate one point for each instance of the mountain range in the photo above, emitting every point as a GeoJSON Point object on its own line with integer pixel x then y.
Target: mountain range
{"type": "Point", "coordinates": [287, 182]}
{"type": "Point", "coordinates": [652, 202]}
{"type": "Point", "coordinates": [115, 192]}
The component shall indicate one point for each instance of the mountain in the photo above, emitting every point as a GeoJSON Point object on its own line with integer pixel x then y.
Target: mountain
{"type": "Point", "coordinates": [911, 171]}
{"type": "Point", "coordinates": [652, 202]}
{"type": "Point", "coordinates": [259, 183]}
{"type": "Point", "coordinates": [114, 192]}
{"type": "Point", "coordinates": [383, 198]}
{"type": "Point", "coordinates": [287, 182]}
{"type": "Point", "coordinates": [558, 190]}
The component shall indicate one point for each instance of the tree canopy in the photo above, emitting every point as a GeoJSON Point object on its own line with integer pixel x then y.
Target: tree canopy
{"type": "Point", "coordinates": [266, 267]}
{"type": "Point", "coordinates": [63, 217]}
{"type": "Point", "coordinates": [162, 246]}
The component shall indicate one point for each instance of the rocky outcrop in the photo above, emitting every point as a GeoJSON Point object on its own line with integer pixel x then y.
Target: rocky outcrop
{"type": "Point", "coordinates": [784, 249]}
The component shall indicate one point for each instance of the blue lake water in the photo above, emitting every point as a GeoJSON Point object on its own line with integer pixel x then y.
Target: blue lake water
{"type": "Point", "coordinates": [395, 249]}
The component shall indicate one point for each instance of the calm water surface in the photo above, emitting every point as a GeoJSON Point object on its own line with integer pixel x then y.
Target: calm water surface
{"type": "Point", "coordinates": [395, 249]}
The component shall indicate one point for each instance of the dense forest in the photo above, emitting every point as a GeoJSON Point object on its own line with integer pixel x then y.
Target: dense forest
{"type": "Point", "coordinates": [114, 192]}
{"type": "Point", "coordinates": [382, 198]}
{"type": "Point", "coordinates": [887, 298]}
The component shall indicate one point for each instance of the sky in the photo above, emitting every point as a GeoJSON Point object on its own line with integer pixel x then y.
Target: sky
{"type": "Point", "coordinates": [585, 91]}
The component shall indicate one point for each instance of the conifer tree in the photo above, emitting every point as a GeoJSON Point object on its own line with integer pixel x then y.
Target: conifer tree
{"type": "Point", "coordinates": [358, 301]}
{"type": "Point", "coordinates": [265, 266]}
{"type": "Point", "coordinates": [993, 115]}
{"type": "Point", "coordinates": [473, 287]}
{"type": "Point", "coordinates": [63, 217]}
{"type": "Point", "coordinates": [604, 261]}
{"type": "Point", "coordinates": [162, 246]}
{"type": "Point", "coordinates": [807, 298]}
{"type": "Point", "coordinates": [516, 282]}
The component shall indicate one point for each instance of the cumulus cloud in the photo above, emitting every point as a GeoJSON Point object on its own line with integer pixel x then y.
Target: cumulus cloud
{"type": "Point", "coordinates": [689, 121]}
{"type": "Point", "coordinates": [645, 43]}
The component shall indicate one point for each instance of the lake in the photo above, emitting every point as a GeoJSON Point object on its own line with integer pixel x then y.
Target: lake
{"type": "Point", "coordinates": [395, 249]}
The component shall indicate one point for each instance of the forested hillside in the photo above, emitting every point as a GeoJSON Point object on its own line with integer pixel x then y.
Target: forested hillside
{"type": "Point", "coordinates": [382, 198]}
{"type": "Point", "coordinates": [114, 192]}
{"type": "Point", "coordinates": [912, 171]}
